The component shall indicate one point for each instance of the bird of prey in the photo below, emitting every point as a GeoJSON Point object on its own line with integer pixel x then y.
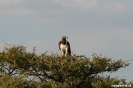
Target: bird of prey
{"type": "Point", "coordinates": [64, 46]}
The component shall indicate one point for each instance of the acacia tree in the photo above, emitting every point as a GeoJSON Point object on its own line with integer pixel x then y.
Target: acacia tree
{"type": "Point", "coordinates": [22, 69]}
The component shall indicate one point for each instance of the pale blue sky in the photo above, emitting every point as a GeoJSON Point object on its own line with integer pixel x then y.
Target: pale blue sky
{"type": "Point", "coordinates": [101, 26]}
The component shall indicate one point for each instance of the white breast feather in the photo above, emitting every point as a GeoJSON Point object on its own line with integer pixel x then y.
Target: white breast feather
{"type": "Point", "coordinates": [63, 46]}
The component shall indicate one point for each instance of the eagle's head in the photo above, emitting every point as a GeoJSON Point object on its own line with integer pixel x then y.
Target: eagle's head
{"type": "Point", "coordinates": [64, 38]}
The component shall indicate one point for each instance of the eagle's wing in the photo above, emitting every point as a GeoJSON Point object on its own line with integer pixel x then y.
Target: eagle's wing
{"type": "Point", "coordinates": [59, 45]}
{"type": "Point", "coordinates": [69, 49]}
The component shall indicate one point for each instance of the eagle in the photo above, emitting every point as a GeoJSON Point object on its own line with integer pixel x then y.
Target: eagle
{"type": "Point", "coordinates": [64, 46]}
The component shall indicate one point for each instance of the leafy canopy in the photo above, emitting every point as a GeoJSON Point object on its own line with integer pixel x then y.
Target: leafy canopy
{"type": "Point", "coordinates": [22, 69]}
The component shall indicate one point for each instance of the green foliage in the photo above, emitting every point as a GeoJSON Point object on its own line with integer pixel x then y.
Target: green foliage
{"type": "Point", "coordinates": [7, 81]}
{"type": "Point", "coordinates": [22, 69]}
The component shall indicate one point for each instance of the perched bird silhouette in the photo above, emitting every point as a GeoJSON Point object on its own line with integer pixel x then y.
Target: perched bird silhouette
{"type": "Point", "coordinates": [64, 46]}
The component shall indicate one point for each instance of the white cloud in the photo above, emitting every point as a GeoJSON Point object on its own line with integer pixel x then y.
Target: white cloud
{"type": "Point", "coordinates": [77, 4]}
{"type": "Point", "coordinates": [10, 2]}
{"type": "Point", "coordinates": [86, 5]}
{"type": "Point", "coordinates": [18, 12]}
{"type": "Point", "coordinates": [13, 8]}
{"type": "Point", "coordinates": [108, 6]}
